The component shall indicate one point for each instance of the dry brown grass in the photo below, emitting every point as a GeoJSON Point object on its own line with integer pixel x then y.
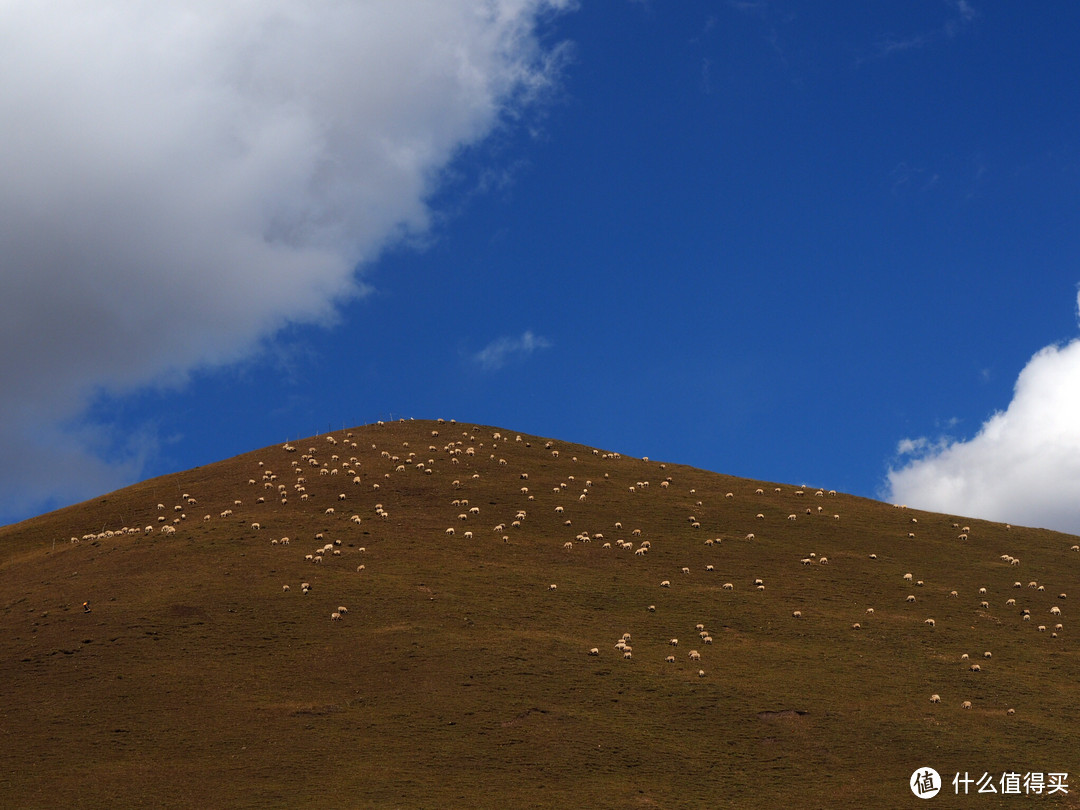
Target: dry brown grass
{"type": "Point", "coordinates": [457, 678]}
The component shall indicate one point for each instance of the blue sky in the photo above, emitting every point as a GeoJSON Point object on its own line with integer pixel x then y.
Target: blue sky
{"type": "Point", "coordinates": [811, 243]}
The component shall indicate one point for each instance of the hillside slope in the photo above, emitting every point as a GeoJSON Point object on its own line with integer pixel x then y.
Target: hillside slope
{"type": "Point", "coordinates": [461, 673]}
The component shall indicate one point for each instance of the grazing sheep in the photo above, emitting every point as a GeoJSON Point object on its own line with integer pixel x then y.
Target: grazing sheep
{"type": "Point", "coordinates": [935, 698]}
{"type": "Point", "coordinates": [966, 704]}
{"type": "Point", "coordinates": [870, 610]}
{"type": "Point", "coordinates": [285, 588]}
{"type": "Point", "coordinates": [670, 659]}
{"type": "Point", "coordinates": [594, 651]}
{"type": "Point", "coordinates": [856, 626]}
{"type": "Point", "coordinates": [553, 587]}
{"type": "Point", "coordinates": [701, 673]}
{"type": "Point", "coordinates": [450, 530]}
{"type": "Point", "coordinates": [911, 598]}
{"type": "Point", "coordinates": [797, 614]}
{"type": "Point", "coordinates": [975, 668]}
{"type": "Point", "coordinates": [335, 617]}
{"type": "Point", "coordinates": [1055, 610]}
{"type": "Point", "coordinates": [665, 584]}
{"type": "Point", "coordinates": [929, 622]}
{"type": "Point", "coordinates": [674, 642]}
{"type": "Point", "coordinates": [694, 655]}
{"type": "Point", "coordinates": [728, 586]}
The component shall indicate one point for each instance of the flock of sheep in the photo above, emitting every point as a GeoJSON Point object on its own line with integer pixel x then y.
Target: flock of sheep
{"type": "Point", "coordinates": [335, 472]}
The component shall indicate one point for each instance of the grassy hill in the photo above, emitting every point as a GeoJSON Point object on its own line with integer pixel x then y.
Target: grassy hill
{"type": "Point", "coordinates": [458, 677]}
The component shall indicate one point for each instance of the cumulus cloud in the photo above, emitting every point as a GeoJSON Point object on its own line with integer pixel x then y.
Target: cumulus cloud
{"type": "Point", "coordinates": [183, 179]}
{"type": "Point", "coordinates": [499, 352]}
{"type": "Point", "coordinates": [1022, 467]}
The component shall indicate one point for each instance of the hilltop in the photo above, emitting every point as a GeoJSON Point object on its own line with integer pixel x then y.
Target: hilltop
{"type": "Point", "coordinates": [461, 674]}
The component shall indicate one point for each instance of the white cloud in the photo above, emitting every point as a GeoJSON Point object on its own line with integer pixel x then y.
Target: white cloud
{"type": "Point", "coordinates": [1022, 467]}
{"type": "Point", "coordinates": [183, 179]}
{"type": "Point", "coordinates": [953, 26]}
{"type": "Point", "coordinates": [499, 352]}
